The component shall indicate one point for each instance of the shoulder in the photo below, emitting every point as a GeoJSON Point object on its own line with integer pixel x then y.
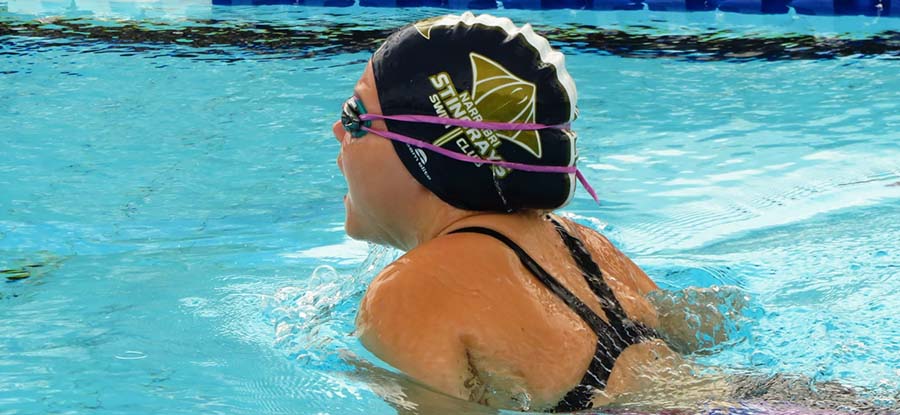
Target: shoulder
{"type": "Point", "coordinates": [418, 312]}
{"type": "Point", "coordinates": [435, 279]}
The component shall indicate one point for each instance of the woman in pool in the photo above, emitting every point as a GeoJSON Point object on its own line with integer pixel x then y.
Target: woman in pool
{"type": "Point", "coordinates": [496, 301]}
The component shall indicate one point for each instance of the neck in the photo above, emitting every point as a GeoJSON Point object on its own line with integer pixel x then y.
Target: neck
{"type": "Point", "coordinates": [443, 218]}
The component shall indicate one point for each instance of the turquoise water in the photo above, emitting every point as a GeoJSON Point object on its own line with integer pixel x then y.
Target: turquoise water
{"type": "Point", "coordinates": [171, 216]}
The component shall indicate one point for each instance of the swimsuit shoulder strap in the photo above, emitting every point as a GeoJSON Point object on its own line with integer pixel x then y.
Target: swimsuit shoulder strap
{"type": "Point", "coordinates": [583, 311]}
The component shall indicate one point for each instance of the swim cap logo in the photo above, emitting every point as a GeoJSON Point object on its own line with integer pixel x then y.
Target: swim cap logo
{"type": "Point", "coordinates": [497, 95]}
{"type": "Point", "coordinates": [502, 94]}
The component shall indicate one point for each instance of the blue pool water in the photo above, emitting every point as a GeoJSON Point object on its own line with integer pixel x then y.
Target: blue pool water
{"type": "Point", "coordinates": [171, 216]}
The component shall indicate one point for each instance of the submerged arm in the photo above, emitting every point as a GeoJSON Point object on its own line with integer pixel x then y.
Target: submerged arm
{"type": "Point", "coordinates": [695, 319]}
{"type": "Point", "coordinates": [690, 320]}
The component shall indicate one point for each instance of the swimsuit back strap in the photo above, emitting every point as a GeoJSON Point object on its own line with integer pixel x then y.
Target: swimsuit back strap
{"type": "Point", "coordinates": [631, 332]}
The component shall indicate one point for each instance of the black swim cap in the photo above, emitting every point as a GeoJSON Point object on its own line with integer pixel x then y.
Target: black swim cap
{"type": "Point", "coordinates": [480, 68]}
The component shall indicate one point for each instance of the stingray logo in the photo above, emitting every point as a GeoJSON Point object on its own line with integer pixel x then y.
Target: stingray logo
{"type": "Point", "coordinates": [497, 95]}
{"type": "Point", "coordinates": [503, 96]}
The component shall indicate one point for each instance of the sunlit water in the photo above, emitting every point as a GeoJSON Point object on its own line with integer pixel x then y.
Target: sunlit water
{"type": "Point", "coordinates": [171, 217]}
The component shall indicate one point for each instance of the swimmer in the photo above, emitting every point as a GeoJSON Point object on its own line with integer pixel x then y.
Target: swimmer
{"type": "Point", "coordinates": [456, 146]}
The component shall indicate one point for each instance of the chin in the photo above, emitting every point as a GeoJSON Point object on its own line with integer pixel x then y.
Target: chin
{"type": "Point", "coordinates": [352, 231]}
{"type": "Point", "coordinates": [360, 235]}
{"type": "Point", "coordinates": [357, 230]}
{"type": "Point", "coordinates": [362, 227]}
{"type": "Point", "coordinates": [353, 227]}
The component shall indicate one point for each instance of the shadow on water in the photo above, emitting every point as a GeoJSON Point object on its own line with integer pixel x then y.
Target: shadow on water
{"type": "Point", "coordinates": [16, 276]}
{"type": "Point", "coordinates": [20, 273]}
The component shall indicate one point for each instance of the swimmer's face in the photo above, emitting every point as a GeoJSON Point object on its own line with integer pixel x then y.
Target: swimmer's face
{"type": "Point", "coordinates": [378, 203]}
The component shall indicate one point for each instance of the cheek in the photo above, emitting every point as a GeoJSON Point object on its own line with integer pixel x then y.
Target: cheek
{"type": "Point", "coordinates": [376, 180]}
{"type": "Point", "coordinates": [355, 200]}
{"type": "Point", "coordinates": [362, 173]}
{"type": "Point", "coordinates": [353, 168]}
{"type": "Point", "coordinates": [363, 203]}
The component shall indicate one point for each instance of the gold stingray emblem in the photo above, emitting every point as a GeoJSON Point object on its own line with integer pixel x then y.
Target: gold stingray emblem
{"type": "Point", "coordinates": [501, 96]}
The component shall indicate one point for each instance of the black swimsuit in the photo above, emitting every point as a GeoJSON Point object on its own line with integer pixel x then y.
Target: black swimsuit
{"type": "Point", "coordinates": [612, 337]}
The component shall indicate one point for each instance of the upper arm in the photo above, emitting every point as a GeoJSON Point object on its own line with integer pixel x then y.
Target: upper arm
{"type": "Point", "coordinates": [406, 322]}
{"type": "Point", "coordinates": [692, 319]}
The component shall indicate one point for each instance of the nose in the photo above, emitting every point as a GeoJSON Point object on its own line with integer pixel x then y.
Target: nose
{"type": "Point", "coordinates": [338, 130]}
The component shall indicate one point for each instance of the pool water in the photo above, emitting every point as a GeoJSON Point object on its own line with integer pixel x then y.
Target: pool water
{"type": "Point", "coordinates": [171, 213]}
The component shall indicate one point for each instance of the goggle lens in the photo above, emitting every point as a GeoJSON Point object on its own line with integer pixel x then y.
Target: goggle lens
{"type": "Point", "coordinates": [350, 112]}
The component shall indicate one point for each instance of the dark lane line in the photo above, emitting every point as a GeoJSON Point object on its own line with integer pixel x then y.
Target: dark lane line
{"type": "Point", "coordinates": [224, 40]}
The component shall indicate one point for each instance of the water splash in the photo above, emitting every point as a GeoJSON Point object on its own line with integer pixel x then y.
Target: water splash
{"type": "Point", "coordinates": [313, 321]}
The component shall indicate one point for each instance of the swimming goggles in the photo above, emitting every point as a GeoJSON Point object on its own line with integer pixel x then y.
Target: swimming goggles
{"type": "Point", "coordinates": [358, 123]}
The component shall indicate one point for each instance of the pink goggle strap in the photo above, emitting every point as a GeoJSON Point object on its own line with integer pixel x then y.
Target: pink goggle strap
{"type": "Point", "coordinates": [482, 125]}
{"type": "Point", "coordinates": [462, 157]}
